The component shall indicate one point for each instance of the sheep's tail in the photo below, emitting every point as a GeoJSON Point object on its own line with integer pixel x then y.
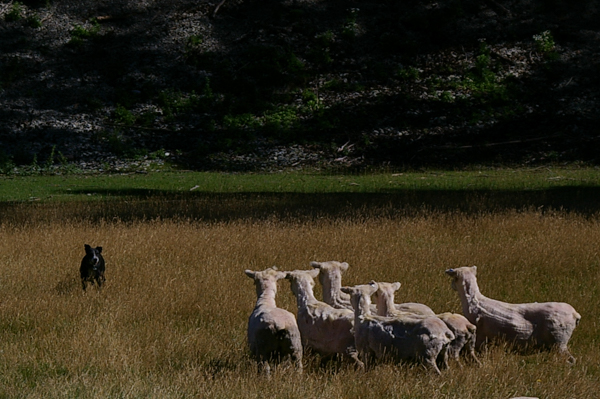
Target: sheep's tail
{"type": "Point", "coordinates": [472, 328]}
{"type": "Point", "coordinates": [444, 337]}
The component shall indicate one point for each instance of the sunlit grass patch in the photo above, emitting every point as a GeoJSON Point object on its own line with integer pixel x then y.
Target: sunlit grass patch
{"type": "Point", "coordinates": [171, 320]}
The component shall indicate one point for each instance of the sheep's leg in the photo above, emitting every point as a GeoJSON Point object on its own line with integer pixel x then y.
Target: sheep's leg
{"type": "Point", "coordinates": [480, 338]}
{"type": "Point", "coordinates": [365, 357]}
{"type": "Point", "coordinates": [470, 346]}
{"type": "Point", "coordinates": [460, 365]}
{"type": "Point", "coordinates": [442, 357]}
{"type": "Point", "coordinates": [562, 349]}
{"type": "Point", "coordinates": [353, 354]}
{"type": "Point", "coordinates": [264, 368]}
{"type": "Point", "coordinates": [474, 357]}
{"type": "Point", "coordinates": [430, 362]}
{"type": "Point", "coordinates": [455, 354]}
{"type": "Point", "coordinates": [297, 357]}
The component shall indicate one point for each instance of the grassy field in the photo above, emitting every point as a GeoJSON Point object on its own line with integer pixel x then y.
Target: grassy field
{"type": "Point", "coordinates": [171, 320]}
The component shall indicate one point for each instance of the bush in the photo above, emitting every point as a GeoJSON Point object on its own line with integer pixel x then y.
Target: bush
{"type": "Point", "coordinates": [15, 12]}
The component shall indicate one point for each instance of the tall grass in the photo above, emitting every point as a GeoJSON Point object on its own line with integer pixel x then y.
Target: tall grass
{"type": "Point", "coordinates": [171, 320]}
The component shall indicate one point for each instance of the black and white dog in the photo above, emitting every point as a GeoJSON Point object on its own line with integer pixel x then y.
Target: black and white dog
{"type": "Point", "coordinates": [92, 267]}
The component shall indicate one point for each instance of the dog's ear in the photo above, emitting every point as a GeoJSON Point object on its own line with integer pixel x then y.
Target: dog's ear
{"type": "Point", "coordinates": [99, 249]}
{"type": "Point", "coordinates": [88, 249]}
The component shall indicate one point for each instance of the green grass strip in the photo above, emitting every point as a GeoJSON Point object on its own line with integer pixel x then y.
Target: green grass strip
{"type": "Point", "coordinates": [107, 187]}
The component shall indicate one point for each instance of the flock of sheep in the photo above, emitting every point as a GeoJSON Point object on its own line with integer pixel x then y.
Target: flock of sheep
{"type": "Point", "coordinates": [347, 323]}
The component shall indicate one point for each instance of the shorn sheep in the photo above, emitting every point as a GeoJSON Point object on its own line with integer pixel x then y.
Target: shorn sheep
{"type": "Point", "coordinates": [403, 338]}
{"type": "Point", "coordinates": [331, 280]}
{"type": "Point", "coordinates": [324, 329]}
{"type": "Point", "coordinates": [330, 277]}
{"type": "Point", "coordinates": [465, 336]}
{"type": "Point", "coordinates": [546, 325]}
{"type": "Point", "coordinates": [273, 333]}
{"type": "Point", "coordinates": [464, 332]}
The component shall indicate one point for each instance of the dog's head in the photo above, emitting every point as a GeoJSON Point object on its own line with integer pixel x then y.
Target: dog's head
{"type": "Point", "coordinates": [93, 255]}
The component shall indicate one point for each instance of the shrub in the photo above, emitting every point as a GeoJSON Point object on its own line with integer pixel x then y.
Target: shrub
{"type": "Point", "coordinates": [544, 42]}
{"type": "Point", "coordinates": [407, 73]}
{"type": "Point", "coordinates": [6, 163]}
{"type": "Point", "coordinates": [546, 45]}
{"type": "Point", "coordinates": [80, 33]}
{"type": "Point", "coordinates": [15, 12]}
{"type": "Point", "coordinates": [34, 21]}
{"type": "Point", "coordinates": [351, 28]}
{"type": "Point", "coordinates": [124, 116]}
{"type": "Point", "coordinates": [281, 120]}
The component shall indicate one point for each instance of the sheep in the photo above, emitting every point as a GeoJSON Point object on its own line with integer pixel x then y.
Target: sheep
{"type": "Point", "coordinates": [465, 334]}
{"type": "Point", "coordinates": [402, 337]}
{"type": "Point", "coordinates": [272, 332]}
{"type": "Point", "coordinates": [543, 325]}
{"type": "Point", "coordinates": [463, 330]}
{"type": "Point", "coordinates": [331, 280]}
{"type": "Point", "coordinates": [324, 329]}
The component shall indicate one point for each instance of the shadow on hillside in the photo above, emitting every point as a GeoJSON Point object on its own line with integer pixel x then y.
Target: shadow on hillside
{"type": "Point", "coordinates": [253, 69]}
{"type": "Point", "coordinates": [142, 204]}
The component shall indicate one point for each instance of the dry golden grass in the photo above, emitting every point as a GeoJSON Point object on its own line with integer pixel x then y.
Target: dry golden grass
{"type": "Point", "coordinates": [171, 320]}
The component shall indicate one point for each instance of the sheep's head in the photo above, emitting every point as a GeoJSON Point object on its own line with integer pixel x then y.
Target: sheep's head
{"type": "Point", "coordinates": [304, 278]}
{"type": "Point", "coordinates": [265, 279]}
{"type": "Point", "coordinates": [454, 274]}
{"type": "Point", "coordinates": [360, 295]}
{"type": "Point", "coordinates": [331, 265]}
{"type": "Point", "coordinates": [458, 275]}
{"type": "Point", "coordinates": [332, 271]}
{"type": "Point", "coordinates": [386, 289]}
{"type": "Point", "coordinates": [331, 279]}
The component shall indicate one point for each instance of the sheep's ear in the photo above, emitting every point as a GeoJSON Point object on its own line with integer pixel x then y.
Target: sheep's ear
{"type": "Point", "coordinates": [274, 268]}
{"type": "Point", "coordinates": [280, 275]}
{"type": "Point", "coordinates": [346, 290]}
{"type": "Point", "coordinates": [451, 272]}
{"type": "Point", "coordinates": [474, 268]}
{"type": "Point", "coordinates": [373, 287]}
{"type": "Point", "coordinates": [314, 272]}
{"type": "Point", "coordinates": [249, 273]}
{"type": "Point", "coordinates": [344, 266]}
{"type": "Point", "coordinates": [396, 286]}
{"type": "Point", "coordinates": [316, 265]}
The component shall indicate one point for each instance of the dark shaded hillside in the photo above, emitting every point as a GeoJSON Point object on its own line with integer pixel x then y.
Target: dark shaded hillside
{"type": "Point", "coordinates": [270, 84]}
